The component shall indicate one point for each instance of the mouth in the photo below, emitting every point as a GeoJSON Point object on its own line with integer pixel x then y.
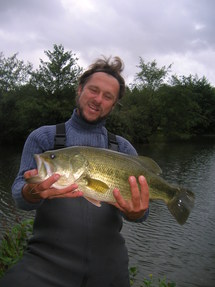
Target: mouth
{"type": "Point", "coordinates": [94, 108]}
{"type": "Point", "coordinates": [44, 169]}
{"type": "Point", "coordinates": [38, 161]}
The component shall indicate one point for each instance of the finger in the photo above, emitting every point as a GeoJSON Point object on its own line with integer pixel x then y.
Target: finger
{"type": "Point", "coordinates": [144, 191]}
{"type": "Point", "coordinates": [30, 173]}
{"type": "Point", "coordinates": [42, 190]}
{"type": "Point", "coordinates": [46, 184]}
{"type": "Point", "coordinates": [64, 192]}
{"type": "Point", "coordinates": [135, 192]}
{"type": "Point", "coordinates": [121, 203]}
{"type": "Point", "coordinates": [117, 195]}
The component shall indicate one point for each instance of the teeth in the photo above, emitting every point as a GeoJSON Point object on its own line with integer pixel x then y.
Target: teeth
{"type": "Point", "coordinates": [94, 107]}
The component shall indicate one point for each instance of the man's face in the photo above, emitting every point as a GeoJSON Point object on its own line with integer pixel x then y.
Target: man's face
{"type": "Point", "coordinates": [98, 96]}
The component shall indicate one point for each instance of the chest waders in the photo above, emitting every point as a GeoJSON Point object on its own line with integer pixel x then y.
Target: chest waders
{"type": "Point", "coordinates": [75, 244]}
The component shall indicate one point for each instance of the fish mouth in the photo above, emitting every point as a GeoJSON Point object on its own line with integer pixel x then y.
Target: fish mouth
{"type": "Point", "coordinates": [43, 167]}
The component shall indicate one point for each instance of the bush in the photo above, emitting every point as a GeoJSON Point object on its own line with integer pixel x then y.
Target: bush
{"type": "Point", "coordinates": [14, 244]}
{"type": "Point", "coordinates": [149, 282]}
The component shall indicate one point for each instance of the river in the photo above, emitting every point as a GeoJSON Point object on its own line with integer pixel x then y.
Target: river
{"type": "Point", "coordinates": [160, 246]}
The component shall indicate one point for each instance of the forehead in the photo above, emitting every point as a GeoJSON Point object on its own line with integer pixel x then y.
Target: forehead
{"type": "Point", "coordinates": [104, 81]}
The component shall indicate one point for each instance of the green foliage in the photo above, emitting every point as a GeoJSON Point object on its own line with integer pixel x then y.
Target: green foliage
{"type": "Point", "coordinates": [13, 73]}
{"type": "Point", "coordinates": [188, 106]}
{"type": "Point", "coordinates": [180, 113]}
{"type": "Point", "coordinates": [132, 274]}
{"type": "Point", "coordinates": [48, 97]}
{"type": "Point", "coordinates": [14, 244]}
{"type": "Point", "coordinates": [57, 74]}
{"type": "Point", "coordinates": [140, 114]}
{"type": "Point", "coordinates": [150, 281]}
{"type": "Point", "coordinates": [182, 109]}
{"type": "Point", "coordinates": [150, 76]}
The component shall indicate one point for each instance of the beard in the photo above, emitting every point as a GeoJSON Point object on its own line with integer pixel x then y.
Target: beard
{"type": "Point", "coordinates": [81, 114]}
{"type": "Point", "coordinates": [96, 121]}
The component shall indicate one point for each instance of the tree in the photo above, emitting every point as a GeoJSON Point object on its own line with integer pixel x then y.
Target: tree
{"type": "Point", "coordinates": [57, 74]}
{"type": "Point", "coordinates": [180, 113]}
{"type": "Point", "coordinates": [150, 76]}
{"type": "Point", "coordinates": [139, 116]}
{"type": "Point", "coordinates": [20, 113]}
{"type": "Point", "coordinates": [56, 82]}
{"type": "Point", "coordinates": [201, 92]}
{"type": "Point", "coordinates": [13, 73]}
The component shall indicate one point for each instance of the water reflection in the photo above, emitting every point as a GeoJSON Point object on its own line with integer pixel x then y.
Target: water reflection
{"type": "Point", "coordinates": [184, 254]}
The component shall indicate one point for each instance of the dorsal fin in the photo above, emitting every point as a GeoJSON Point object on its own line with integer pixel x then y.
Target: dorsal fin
{"type": "Point", "coordinates": [149, 164]}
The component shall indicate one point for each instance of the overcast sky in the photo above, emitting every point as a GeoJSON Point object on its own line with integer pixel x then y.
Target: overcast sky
{"type": "Point", "coordinates": [178, 32]}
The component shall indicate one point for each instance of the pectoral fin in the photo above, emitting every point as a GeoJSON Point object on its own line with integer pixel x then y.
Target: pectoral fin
{"type": "Point", "coordinates": [97, 185]}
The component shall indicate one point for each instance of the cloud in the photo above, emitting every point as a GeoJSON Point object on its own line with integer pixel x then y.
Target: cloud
{"type": "Point", "coordinates": [169, 31]}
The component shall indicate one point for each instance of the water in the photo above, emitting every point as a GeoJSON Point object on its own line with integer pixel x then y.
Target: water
{"type": "Point", "coordinates": [183, 254]}
{"type": "Point", "coordinates": [9, 165]}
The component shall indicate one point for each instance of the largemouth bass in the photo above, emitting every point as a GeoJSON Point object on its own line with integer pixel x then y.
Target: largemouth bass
{"type": "Point", "coordinates": [98, 171]}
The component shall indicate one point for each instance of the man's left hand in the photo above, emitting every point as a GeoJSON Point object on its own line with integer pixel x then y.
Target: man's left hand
{"type": "Point", "coordinates": [136, 207]}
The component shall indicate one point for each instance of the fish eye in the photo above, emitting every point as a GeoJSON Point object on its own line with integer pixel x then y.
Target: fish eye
{"type": "Point", "coordinates": [52, 156]}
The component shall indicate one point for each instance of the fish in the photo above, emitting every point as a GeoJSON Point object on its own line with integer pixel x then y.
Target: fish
{"type": "Point", "coordinates": [97, 171]}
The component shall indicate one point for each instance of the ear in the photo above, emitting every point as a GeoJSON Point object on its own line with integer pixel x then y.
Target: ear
{"type": "Point", "coordinates": [79, 90]}
{"type": "Point", "coordinates": [114, 106]}
{"type": "Point", "coordinates": [116, 102]}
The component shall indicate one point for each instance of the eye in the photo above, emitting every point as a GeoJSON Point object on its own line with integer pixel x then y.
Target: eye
{"type": "Point", "coordinates": [52, 155]}
{"type": "Point", "coordinates": [93, 90]}
{"type": "Point", "coordinates": [108, 97]}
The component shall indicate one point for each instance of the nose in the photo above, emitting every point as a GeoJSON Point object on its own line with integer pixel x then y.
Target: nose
{"type": "Point", "coordinates": [98, 98]}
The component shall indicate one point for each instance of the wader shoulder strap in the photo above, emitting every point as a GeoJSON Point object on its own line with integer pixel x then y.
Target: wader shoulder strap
{"type": "Point", "coordinates": [112, 142]}
{"type": "Point", "coordinates": [60, 136]}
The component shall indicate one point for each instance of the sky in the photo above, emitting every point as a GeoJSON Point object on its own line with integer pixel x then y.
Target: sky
{"type": "Point", "coordinates": [177, 32]}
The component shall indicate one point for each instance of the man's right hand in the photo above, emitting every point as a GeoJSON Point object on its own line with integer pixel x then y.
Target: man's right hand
{"type": "Point", "coordinates": [44, 190]}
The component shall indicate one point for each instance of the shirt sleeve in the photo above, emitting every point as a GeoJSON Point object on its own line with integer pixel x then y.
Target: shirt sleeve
{"type": "Point", "coordinates": [139, 220]}
{"type": "Point", "coordinates": [37, 142]}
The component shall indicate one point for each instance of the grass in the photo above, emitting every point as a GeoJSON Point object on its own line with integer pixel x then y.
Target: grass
{"type": "Point", "coordinates": [150, 281]}
{"type": "Point", "coordinates": [13, 244]}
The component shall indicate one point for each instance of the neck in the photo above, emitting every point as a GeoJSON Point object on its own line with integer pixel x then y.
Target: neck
{"type": "Point", "coordinates": [80, 122]}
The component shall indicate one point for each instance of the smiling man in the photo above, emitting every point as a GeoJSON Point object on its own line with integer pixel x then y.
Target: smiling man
{"type": "Point", "coordinates": [97, 97]}
{"type": "Point", "coordinates": [75, 243]}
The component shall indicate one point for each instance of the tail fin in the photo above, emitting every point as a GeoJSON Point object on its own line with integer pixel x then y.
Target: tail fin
{"type": "Point", "coordinates": [181, 205]}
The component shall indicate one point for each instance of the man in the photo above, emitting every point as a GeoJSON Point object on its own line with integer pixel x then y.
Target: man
{"type": "Point", "coordinates": [75, 243]}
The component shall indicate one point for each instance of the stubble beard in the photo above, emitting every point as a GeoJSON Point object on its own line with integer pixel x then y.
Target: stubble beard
{"type": "Point", "coordinates": [96, 121]}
